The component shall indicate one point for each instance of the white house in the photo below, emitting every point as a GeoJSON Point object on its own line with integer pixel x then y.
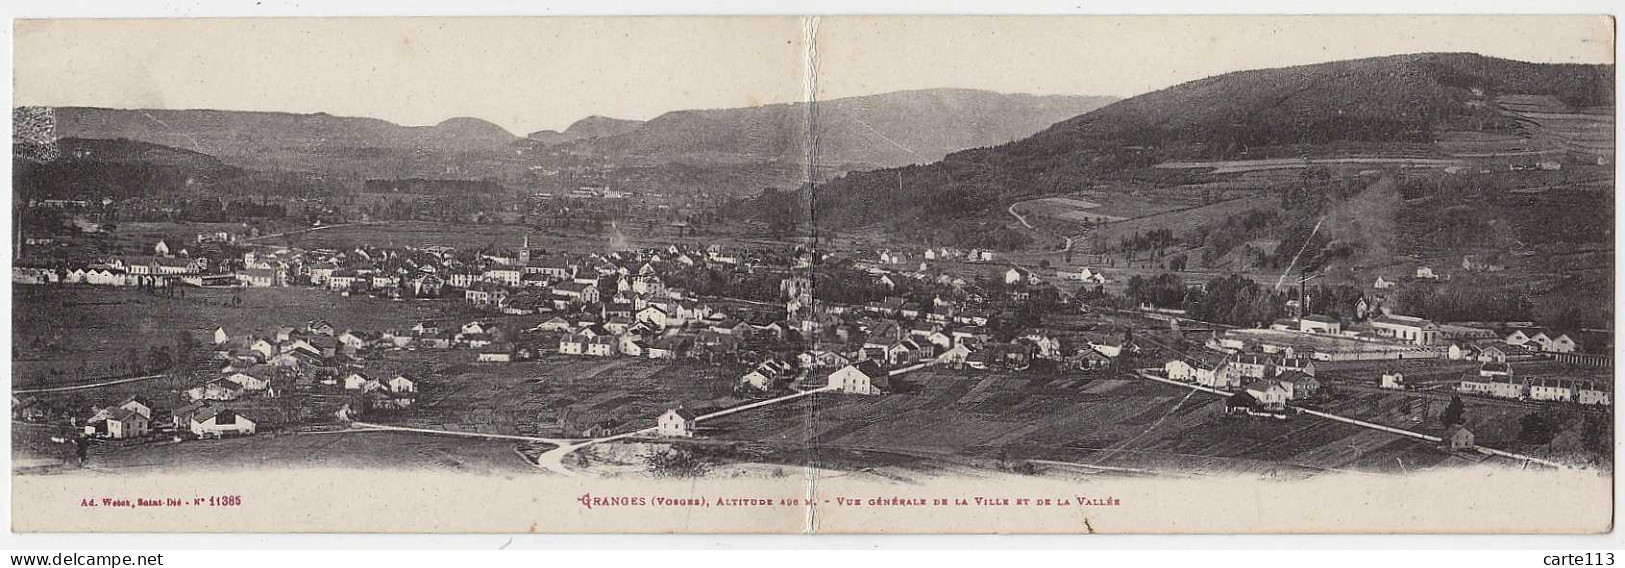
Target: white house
{"type": "Point", "coordinates": [757, 379]}
{"type": "Point", "coordinates": [1408, 329]}
{"type": "Point", "coordinates": [401, 384]}
{"type": "Point", "coordinates": [1393, 381]}
{"type": "Point", "coordinates": [123, 423]}
{"type": "Point", "coordinates": [1552, 389]}
{"type": "Point", "coordinates": [360, 382]}
{"type": "Point", "coordinates": [249, 382]}
{"type": "Point", "coordinates": [1271, 394]}
{"type": "Point", "coordinates": [1561, 344]}
{"type": "Point", "coordinates": [676, 423]}
{"type": "Point", "coordinates": [1179, 370]}
{"type": "Point", "coordinates": [211, 422]}
{"type": "Point", "coordinates": [1315, 323]}
{"type": "Point", "coordinates": [653, 315]}
{"type": "Point", "coordinates": [859, 379]}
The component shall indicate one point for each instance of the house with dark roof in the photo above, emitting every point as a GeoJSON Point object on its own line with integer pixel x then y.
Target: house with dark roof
{"type": "Point", "coordinates": [214, 422]}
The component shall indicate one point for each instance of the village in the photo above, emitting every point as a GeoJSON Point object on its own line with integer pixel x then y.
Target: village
{"type": "Point", "coordinates": [786, 320]}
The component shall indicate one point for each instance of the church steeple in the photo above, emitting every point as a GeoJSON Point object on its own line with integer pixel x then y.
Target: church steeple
{"type": "Point", "coordinates": [524, 250]}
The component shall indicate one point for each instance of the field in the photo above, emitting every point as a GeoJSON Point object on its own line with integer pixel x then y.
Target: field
{"type": "Point", "coordinates": [561, 395]}
{"type": "Point", "coordinates": [1243, 166]}
{"type": "Point", "coordinates": [984, 418]}
{"type": "Point", "coordinates": [1069, 208]}
{"type": "Point", "coordinates": [463, 236]}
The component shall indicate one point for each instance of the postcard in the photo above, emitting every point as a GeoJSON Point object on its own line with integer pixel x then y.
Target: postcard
{"type": "Point", "coordinates": [833, 274]}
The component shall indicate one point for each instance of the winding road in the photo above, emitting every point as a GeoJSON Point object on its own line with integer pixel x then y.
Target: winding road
{"type": "Point", "coordinates": [1018, 216]}
{"type": "Point", "coordinates": [309, 230]}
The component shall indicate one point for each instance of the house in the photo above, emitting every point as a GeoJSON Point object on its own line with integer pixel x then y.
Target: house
{"type": "Point", "coordinates": [426, 327]}
{"type": "Point", "coordinates": [1393, 381]}
{"type": "Point", "coordinates": [181, 418]}
{"type": "Point", "coordinates": [360, 382]}
{"type": "Point", "coordinates": [212, 422]}
{"type": "Point", "coordinates": [863, 378]}
{"type": "Point", "coordinates": [1560, 344]}
{"type": "Point", "coordinates": [668, 348]}
{"type": "Point", "coordinates": [262, 277]}
{"type": "Point", "coordinates": [248, 381]}
{"type": "Point", "coordinates": [757, 379]}
{"type": "Point", "coordinates": [1242, 402]}
{"type": "Point", "coordinates": [676, 423]}
{"type": "Point", "coordinates": [496, 353]}
{"type": "Point", "coordinates": [264, 347]}
{"type": "Point", "coordinates": [388, 400]}
{"type": "Point", "coordinates": [218, 389]}
{"type": "Point", "coordinates": [220, 336]}
{"type": "Point", "coordinates": [573, 343]}
{"type": "Point", "coordinates": [320, 327]}
{"type": "Point", "coordinates": [653, 315]}
{"type": "Point", "coordinates": [1517, 337]}
{"type": "Point", "coordinates": [1494, 370]}
{"type": "Point", "coordinates": [1253, 365]}
{"type": "Point", "coordinates": [138, 404]}
{"type": "Point", "coordinates": [1086, 360]}
{"type": "Point", "coordinates": [1458, 437]}
{"type": "Point", "coordinates": [1413, 330]}
{"type": "Point", "coordinates": [1501, 386]}
{"type": "Point", "coordinates": [554, 324]}
{"type": "Point", "coordinates": [1593, 392]}
{"type": "Point", "coordinates": [401, 384]}
{"type": "Point", "coordinates": [485, 295]}
{"type": "Point", "coordinates": [1179, 370]}
{"type": "Point", "coordinates": [1539, 341]}
{"type": "Point", "coordinates": [1303, 365]}
{"type": "Point", "coordinates": [577, 293]}
{"type": "Point", "coordinates": [631, 345]}
{"type": "Point", "coordinates": [1425, 273]}
{"type": "Point", "coordinates": [1316, 323]}
{"type": "Point", "coordinates": [1012, 276]}
{"type": "Point", "coordinates": [1271, 394]}
{"type": "Point", "coordinates": [1300, 385]}
{"type": "Point", "coordinates": [1551, 389]}
{"type": "Point", "coordinates": [1218, 374]}
{"type": "Point", "coordinates": [602, 346]}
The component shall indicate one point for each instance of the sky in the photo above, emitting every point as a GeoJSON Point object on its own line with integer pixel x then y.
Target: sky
{"type": "Point", "coordinates": [534, 73]}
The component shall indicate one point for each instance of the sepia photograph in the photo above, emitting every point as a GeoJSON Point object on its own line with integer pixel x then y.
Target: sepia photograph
{"type": "Point", "coordinates": [1078, 274]}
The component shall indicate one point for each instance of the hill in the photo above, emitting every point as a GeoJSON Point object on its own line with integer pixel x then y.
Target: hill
{"type": "Point", "coordinates": [1383, 106]}
{"type": "Point", "coordinates": [116, 168]}
{"type": "Point", "coordinates": [891, 129]}
{"type": "Point", "coordinates": [585, 129]}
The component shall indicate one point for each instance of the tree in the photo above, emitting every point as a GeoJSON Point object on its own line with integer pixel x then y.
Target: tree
{"type": "Point", "coordinates": [1538, 428]}
{"type": "Point", "coordinates": [1453, 413]}
{"type": "Point", "coordinates": [1598, 438]}
{"type": "Point", "coordinates": [678, 463]}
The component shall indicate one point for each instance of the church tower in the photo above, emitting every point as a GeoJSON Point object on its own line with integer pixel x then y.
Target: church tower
{"type": "Point", "coordinates": [524, 251]}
